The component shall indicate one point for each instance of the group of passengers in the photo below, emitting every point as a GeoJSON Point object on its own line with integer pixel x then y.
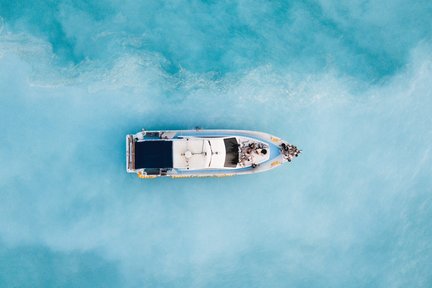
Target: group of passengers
{"type": "Point", "coordinates": [249, 150]}
{"type": "Point", "coordinates": [290, 151]}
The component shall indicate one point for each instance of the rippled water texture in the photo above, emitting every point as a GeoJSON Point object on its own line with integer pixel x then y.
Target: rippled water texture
{"type": "Point", "coordinates": [348, 83]}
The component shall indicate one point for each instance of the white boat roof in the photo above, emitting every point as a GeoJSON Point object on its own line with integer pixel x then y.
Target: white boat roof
{"type": "Point", "coordinates": [199, 153]}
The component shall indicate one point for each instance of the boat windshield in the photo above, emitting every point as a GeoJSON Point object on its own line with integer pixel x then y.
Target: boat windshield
{"type": "Point", "coordinates": [232, 152]}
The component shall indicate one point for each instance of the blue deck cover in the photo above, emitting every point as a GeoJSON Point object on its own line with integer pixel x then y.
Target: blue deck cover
{"type": "Point", "coordinates": [153, 154]}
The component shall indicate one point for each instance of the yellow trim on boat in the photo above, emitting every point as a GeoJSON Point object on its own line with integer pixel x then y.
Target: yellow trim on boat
{"type": "Point", "coordinates": [201, 176]}
{"type": "Point", "coordinates": [276, 163]}
{"type": "Point", "coordinates": [275, 139]}
{"type": "Point", "coordinates": [142, 176]}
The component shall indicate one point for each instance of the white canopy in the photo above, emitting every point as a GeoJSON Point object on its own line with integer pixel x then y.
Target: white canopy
{"type": "Point", "coordinates": [199, 153]}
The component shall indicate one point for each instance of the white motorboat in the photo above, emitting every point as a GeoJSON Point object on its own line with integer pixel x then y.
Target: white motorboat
{"type": "Point", "coordinates": [204, 153]}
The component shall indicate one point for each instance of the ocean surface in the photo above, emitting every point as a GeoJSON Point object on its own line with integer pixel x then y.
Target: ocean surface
{"type": "Point", "coordinates": [348, 83]}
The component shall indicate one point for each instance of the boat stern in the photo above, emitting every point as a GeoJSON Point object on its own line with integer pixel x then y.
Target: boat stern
{"type": "Point", "coordinates": [130, 154]}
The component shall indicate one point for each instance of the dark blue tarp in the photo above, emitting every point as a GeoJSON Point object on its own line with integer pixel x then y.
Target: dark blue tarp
{"type": "Point", "coordinates": [153, 154]}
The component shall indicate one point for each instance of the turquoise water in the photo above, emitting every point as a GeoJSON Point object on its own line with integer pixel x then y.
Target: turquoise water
{"type": "Point", "coordinates": [350, 84]}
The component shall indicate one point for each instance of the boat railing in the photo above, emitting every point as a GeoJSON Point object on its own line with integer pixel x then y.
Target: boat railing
{"type": "Point", "coordinates": [130, 153]}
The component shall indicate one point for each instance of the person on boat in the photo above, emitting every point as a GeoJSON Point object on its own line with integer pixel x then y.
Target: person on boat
{"type": "Point", "coordinates": [248, 151]}
{"type": "Point", "coordinates": [261, 151]}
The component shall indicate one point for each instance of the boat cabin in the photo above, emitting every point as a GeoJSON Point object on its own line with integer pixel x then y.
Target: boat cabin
{"type": "Point", "coordinates": [188, 153]}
